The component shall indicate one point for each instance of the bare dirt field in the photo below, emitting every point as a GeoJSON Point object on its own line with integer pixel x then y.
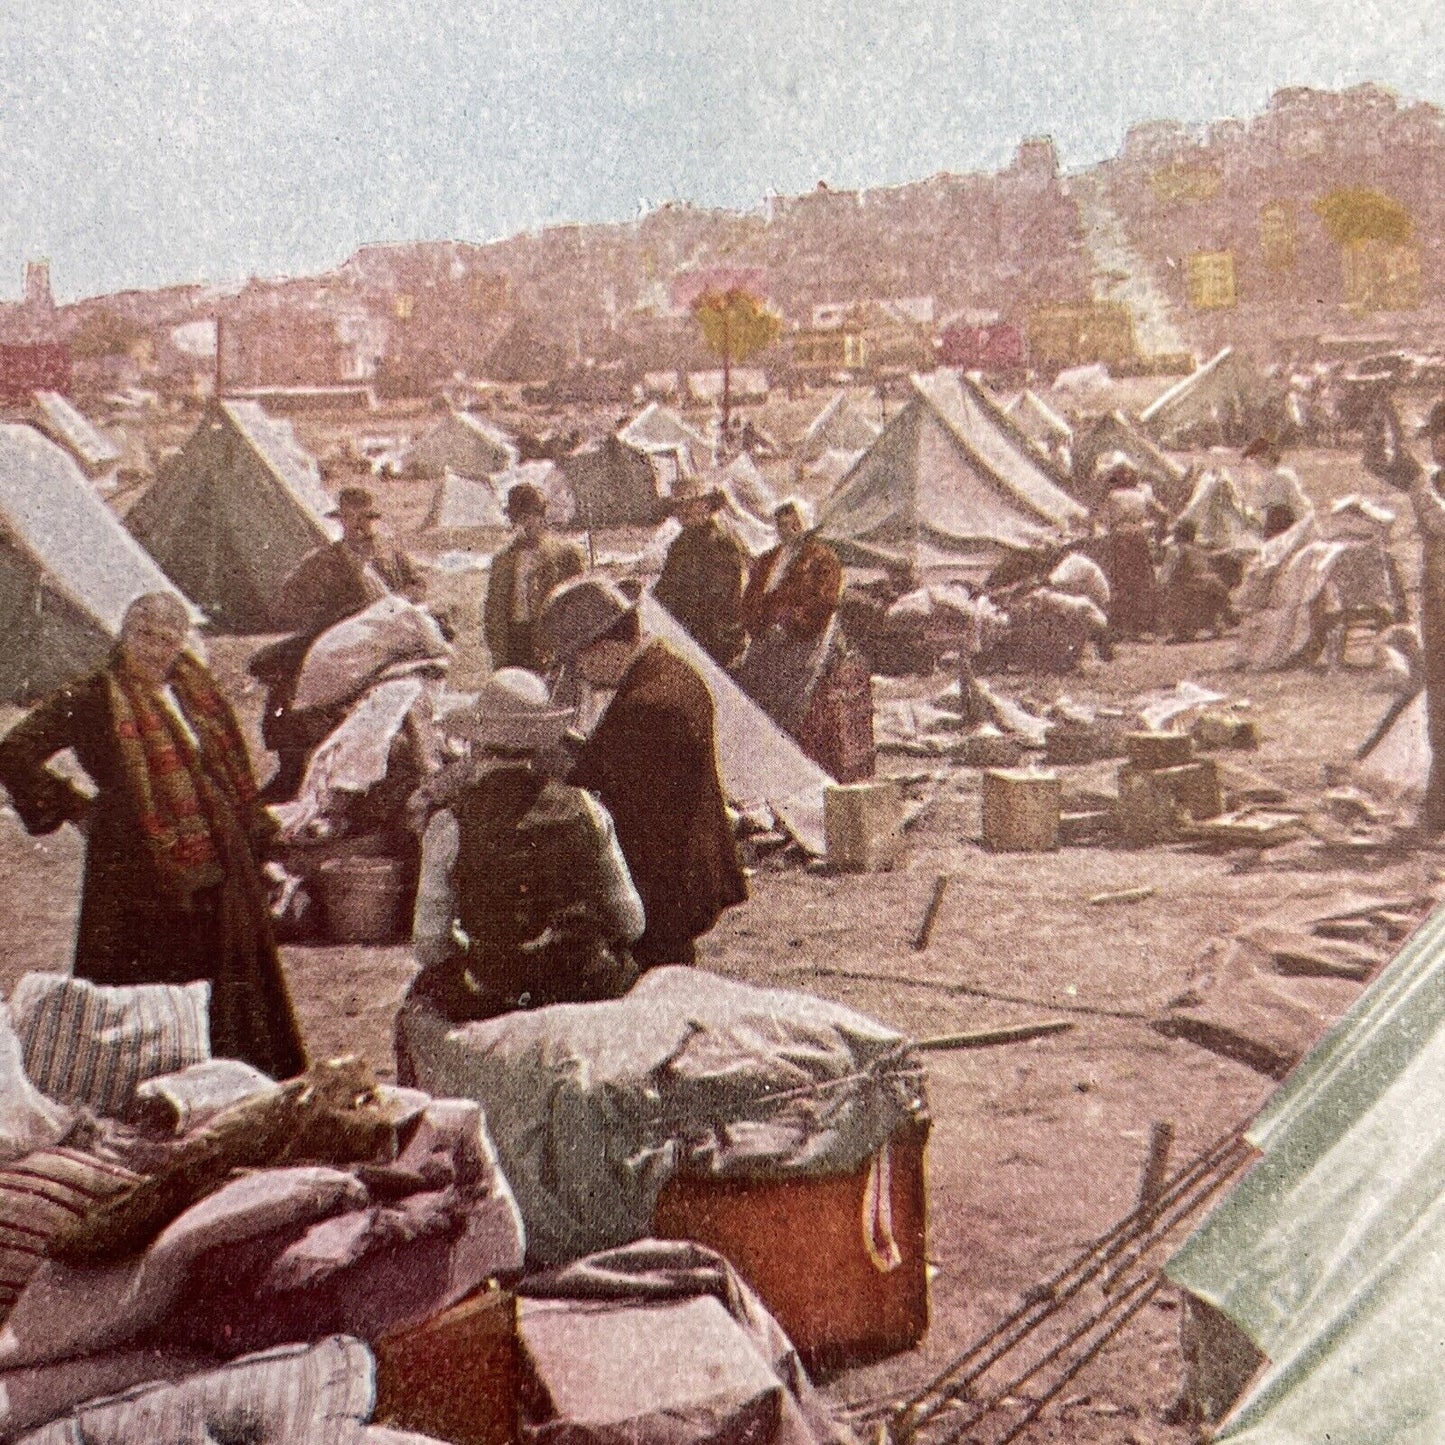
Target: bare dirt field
{"type": "Point", "coordinates": [1037, 1147]}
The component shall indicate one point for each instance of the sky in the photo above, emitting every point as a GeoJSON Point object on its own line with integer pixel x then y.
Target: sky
{"type": "Point", "coordinates": [189, 140]}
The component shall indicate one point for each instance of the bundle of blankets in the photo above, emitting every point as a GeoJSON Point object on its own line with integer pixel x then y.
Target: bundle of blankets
{"type": "Point", "coordinates": [193, 1252]}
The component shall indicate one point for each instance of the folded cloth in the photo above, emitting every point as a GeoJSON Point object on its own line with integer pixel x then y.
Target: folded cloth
{"type": "Point", "coordinates": [611, 1307]}
{"type": "Point", "coordinates": [28, 1120]}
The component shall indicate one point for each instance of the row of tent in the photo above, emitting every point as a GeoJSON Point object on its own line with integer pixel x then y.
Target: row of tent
{"type": "Point", "coordinates": [227, 519]}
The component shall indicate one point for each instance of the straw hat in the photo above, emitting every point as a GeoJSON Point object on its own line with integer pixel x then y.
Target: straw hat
{"type": "Point", "coordinates": [580, 612]}
{"type": "Point", "coordinates": [512, 711]}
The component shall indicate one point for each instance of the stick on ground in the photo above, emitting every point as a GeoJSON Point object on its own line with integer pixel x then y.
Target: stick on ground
{"type": "Point", "coordinates": [925, 929]}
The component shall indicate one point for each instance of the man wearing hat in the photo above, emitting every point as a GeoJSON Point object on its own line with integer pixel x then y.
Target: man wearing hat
{"type": "Point", "coordinates": [652, 760]}
{"type": "Point", "coordinates": [525, 898]}
{"type": "Point", "coordinates": [327, 586]}
{"type": "Point", "coordinates": [341, 579]}
{"type": "Point", "coordinates": [523, 575]}
{"type": "Point", "coordinates": [1387, 457]}
{"type": "Point", "coordinates": [702, 579]}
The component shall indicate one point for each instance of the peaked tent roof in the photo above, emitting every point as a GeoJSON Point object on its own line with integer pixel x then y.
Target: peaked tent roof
{"type": "Point", "coordinates": [465, 443]}
{"type": "Point", "coordinates": [950, 476]}
{"type": "Point", "coordinates": [657, 429]}
{"type": "Point", "coordinates": [233, 512]}
{"type": "Point", "coordinates": [67, 425]}
{"type": "Point", "coordinates": [839, 427]}
{"type": "Point", "coordinates": [1226, 380]}
{"type": "Point", "coordinates": [1330, 1254]}
{"type": "Point", "coordinates": [68, 568]}
{"type": "Point", "coordinates": [614, 485]}
{"type": "Point", "coordinates": [761, 766]}
{"type": "Point", "coordinates": [1115, 432]}
{"type": "Point", "coordinates": [463, 504]}
{"type": "Point", "coordinates": [1037, 419]}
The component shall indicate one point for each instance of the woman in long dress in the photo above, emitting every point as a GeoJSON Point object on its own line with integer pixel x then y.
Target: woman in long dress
{"type": "Point", "coordinates": [173, 890]}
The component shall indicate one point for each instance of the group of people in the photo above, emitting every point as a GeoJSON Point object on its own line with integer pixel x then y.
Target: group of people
{"type": "Point", "coordinates": [771, 622]}
{"type": "Point", "coordinates": [552, 867]}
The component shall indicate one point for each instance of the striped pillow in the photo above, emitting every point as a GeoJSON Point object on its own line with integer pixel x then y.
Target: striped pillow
{"type": "Point", "coordinates": [286, 1396]}
{"type": "Point", "coordinates": [40, 1195]}
{"type": "Point", "coordinates": [89, 1044]}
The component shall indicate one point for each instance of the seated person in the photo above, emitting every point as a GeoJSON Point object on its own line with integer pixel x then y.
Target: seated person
{"type": "Point", "coordinates": [525, 898]}
{"type": "Point", "coordinates": [1195, 598]}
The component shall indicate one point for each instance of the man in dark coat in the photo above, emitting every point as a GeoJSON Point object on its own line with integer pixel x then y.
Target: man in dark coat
{"type": "Point", "coordinates": [173, 890]}
{"type": "Point", "coordinates": [1387, 458]}
{"type": "Point", "coordinates": [652, 760]}
{"type": "Point", "coordinates": [523, 575]}
{"type": "Point", "coordinates": [328, 585]}
{"type": "Point", "coordinates": [702, 579]}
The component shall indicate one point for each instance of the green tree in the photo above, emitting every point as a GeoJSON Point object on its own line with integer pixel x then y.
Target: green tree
{"type": "Point", "coordinates": [735, 325]}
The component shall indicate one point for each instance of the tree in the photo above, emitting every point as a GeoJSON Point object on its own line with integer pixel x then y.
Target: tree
{"type": "Point", "coordinates": [735, 325]}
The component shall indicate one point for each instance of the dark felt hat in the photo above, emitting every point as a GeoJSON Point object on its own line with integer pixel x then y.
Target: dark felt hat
{"type": "Point", "coordinates": [355, 499]}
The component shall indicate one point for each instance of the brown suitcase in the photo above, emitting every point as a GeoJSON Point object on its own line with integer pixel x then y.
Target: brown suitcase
{"type": "Point", "coordinates": [456, 1376]}
{"type": "Point", "coordinates": [845, 1278]}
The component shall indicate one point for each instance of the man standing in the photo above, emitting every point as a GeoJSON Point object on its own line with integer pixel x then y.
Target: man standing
{"type": "Point", "coordinates": [652, 760]}
{"type": "Point", "coordinates": [1387, 458]}
{"type": "Point", "coordinates": [702, 579]}
{"type": "Point", "coordinates": [346, 576]}
{"type": "Point", "coordinates": [328, 585]}
{"type": "Point", "coordinates": [523, 575]}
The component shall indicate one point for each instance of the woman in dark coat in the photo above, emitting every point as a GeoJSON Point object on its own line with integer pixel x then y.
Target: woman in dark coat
{"type": "Point", "coordinates": [173, 890]}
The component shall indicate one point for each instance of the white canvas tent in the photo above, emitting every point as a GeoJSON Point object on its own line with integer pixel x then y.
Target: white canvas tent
{"type": "Point", "coordinates": [839, 427]}
{"type": "Point", "coordinates": [233, 512]}
{"type": "Point", "coordinates": [657, 431]}
{"type": "Point", "coordinates": [463, 443]}
{"type": "Point", "coordinates": [1329, 1257]}
{"type": "Point", "coordinates": [763, 769]}
{"type": "Point", "coordinates": [950, 481]}
{"type": "Point", "coordinates": [1212, 403]}
{"type": "Point", "coordinates": [1115, 432]}
{"type": "Point", "coordinates": [1039, 421]}
{"type": "Point", "coordinates": [68, 568]}
{"type": "Point", "coordinates": [66, 425]}
{"type": "Point", "coordinates": [749, 488]}
{"type": "Point", "coordinates": [464, 504]}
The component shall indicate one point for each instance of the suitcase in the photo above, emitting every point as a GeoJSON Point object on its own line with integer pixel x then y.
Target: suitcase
{"type": "Point", "coordinates": [457, 1376]}
{"type": "Point", "coordinates": [839, 1260]}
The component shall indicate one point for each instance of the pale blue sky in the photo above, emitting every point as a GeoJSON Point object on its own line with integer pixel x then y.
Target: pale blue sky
{"type": "Point", "coordinates": [174, 140]}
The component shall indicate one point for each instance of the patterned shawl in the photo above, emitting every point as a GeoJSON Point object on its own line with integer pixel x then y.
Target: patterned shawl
{"type": "Point", "coordinates": [184, 795]}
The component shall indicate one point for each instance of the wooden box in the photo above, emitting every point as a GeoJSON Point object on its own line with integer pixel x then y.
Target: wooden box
{"type": "Point", "coordinates": [1021, 810]}
{"type": "Point", "coordinates": [863, 825]}
{"type": "Point", "coordinates": [1152, 751]}
{"type": "Point", "coordinates": [457, 1376]}
{"type": "Point", "coordinates": [839, 1260]}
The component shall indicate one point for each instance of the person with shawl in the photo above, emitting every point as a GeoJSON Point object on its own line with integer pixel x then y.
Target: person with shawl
{"type": "Point", "coordinates": [173, 890]}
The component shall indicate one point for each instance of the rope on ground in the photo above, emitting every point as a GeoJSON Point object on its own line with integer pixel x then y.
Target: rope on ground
{"type": "Point", "coordinates": [944, 986]}
{"type": "Point", "coordinates": [1126, 1285]}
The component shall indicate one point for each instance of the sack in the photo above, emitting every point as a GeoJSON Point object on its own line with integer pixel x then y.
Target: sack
{"type": "Point", "coordinates": [347, 656]}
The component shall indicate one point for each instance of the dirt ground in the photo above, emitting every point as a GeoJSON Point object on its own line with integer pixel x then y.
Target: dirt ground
{"type": "Point", "coordinates": [1037, 1147]}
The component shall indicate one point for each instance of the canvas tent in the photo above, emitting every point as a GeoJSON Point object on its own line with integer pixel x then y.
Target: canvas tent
{"type": "Point", "coordinates": [1328, 1259]}
{"type": "Point", "coordinates": [464, 505]}
{"type": "Point", "coordinates": [1115, 432]}
{"type": "Point", "coordinates": [614, 485]}
{"type": "Point", "coordinates": [68, 568]}
{"type": "Point", "coordinates": [233, 512]}
{"type": "Point", "coordinates": [839, 427]}
{"type": "Point", "coordinates": [656, 431]}
{"type": "Point", "coordinates": [68, 427]}
{"type": "Point", "coordinates": [749, 488]}
{"type": "Point", "coordinates": [463, 443]}
{"type": "Point", "coordinates": [1214, 404]}
{"type": "Point", "coordinates": [1220, 518]}
{"type": "Point", "coordinates": [950, 482]}
{"type": "Point", "coordinates": [1039, 421]}
{"type": "Point", "coordinates": [763, 769]}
